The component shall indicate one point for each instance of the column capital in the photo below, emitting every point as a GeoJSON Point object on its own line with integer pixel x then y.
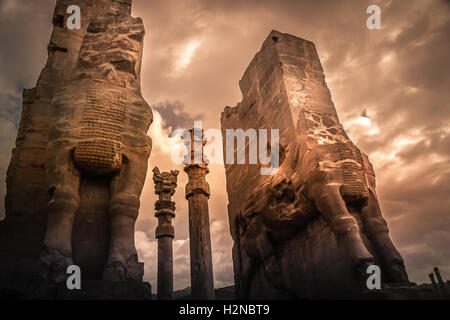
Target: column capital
{"type": "Point", "coordinates": [165, 182]}
{"type": "Point", "coordinates": [195, 145]}
{"type": "Point", "coordinates": [165, 185]}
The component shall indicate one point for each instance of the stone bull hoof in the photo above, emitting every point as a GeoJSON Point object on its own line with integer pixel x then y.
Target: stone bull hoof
{"type": "Point", "coordinates": [124, 270]}
{"type": "Point", "coordinates": [52, 266]}
{"type": "Point", "coordinates": [396, 272]}
{"type": "Point", "coordinates": [360, 271]}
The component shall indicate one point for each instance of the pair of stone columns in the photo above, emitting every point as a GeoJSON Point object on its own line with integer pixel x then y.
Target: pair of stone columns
{"type": "Point", "coordinates": [197, 194]}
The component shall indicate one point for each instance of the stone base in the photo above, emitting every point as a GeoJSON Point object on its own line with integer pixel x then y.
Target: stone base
{"type": "Point", "coordinates": [91, 290]}
{"type": "Point", "coordinates": [406, 291]}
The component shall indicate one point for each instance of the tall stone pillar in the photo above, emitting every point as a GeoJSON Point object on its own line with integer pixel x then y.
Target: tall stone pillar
{"type": "Point", "coordinates": [165, 185]}
{"type": "Point", "coordinates": [441, 283]}
{"type": "Point", "coordinates": [197, 194]}
{"type": "Point", "coordinates": [434, 285]}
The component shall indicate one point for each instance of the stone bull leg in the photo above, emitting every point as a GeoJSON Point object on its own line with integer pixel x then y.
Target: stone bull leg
{"type": "Point", "coordinates": [392, 265]}
{"type": "Point", "coordinates": [244, 273]}
{"type": "Point", "coordinates": [126, 188]}
{"type": "Point", "coordinates": [329, 201]}
{"type": "Point", "coordinates": [270, 215]}
{"type": "Point", "coordinates": [64, 182]}
{"type": "Point", "coordinates": [259, 246]}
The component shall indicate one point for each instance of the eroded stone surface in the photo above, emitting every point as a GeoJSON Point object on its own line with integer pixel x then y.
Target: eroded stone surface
{"type": "Point", "coordinates": [80, 161]}
{"type": "Point", "coordinates": [311, 229]}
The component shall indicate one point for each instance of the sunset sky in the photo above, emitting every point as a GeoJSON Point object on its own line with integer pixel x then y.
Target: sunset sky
{"type": "Point", "coordinates": [391, 88]}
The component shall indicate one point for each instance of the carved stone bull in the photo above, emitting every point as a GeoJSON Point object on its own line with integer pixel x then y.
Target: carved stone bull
{"type": "Point", "coordinates": [98, 131]}
{"type": "Point", "coordinates": [311, 229]}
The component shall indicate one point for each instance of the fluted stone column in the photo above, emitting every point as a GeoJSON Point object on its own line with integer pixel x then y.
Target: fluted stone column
{"type": "Point", "coordinates": [165, 185]}
{"type": "Point", "coordinates": [197, 194]}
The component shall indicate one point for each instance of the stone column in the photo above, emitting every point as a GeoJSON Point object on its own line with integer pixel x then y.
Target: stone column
{"type": "Point", "coordinates": [433, 285]}
{"type": "Point", "coordinates": [165, 185]}
{"type": "Point", "coordinates": [441, 283]}
{"type": "Point", "coordinates": [197, 194]}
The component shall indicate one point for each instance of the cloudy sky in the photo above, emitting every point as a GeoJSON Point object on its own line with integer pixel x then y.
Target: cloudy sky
{"type": "Point", "coordinates": [196, 52]}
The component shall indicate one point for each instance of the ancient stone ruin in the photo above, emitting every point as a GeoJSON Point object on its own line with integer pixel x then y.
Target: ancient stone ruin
{"type": "Point", "coordinates": [80, 160]}
{"type": "Point", "coordinates": [311, 229]}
